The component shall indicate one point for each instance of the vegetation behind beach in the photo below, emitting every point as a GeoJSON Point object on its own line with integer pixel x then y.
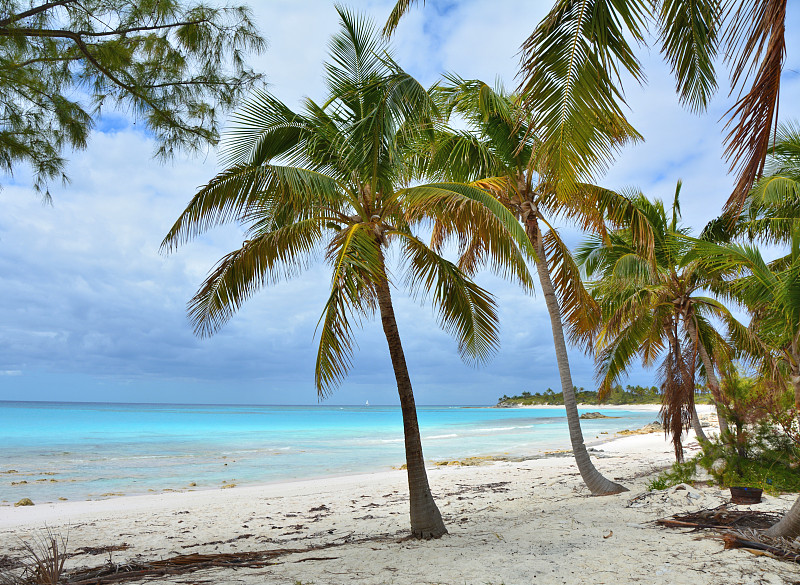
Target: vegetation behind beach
{"type": "Point", "coordinates": [618, 395]}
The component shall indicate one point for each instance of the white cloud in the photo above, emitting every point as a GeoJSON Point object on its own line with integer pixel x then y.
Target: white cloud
{"type": "Point", "coordinates": [86, 294]}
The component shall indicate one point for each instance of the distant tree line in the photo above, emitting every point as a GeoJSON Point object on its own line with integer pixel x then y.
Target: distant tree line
{"type": "Point", "coordinates": [618, 395]}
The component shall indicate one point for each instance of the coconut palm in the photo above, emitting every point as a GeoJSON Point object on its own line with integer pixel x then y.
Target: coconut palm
{"type": "Point", "coordinates": [771, 214]}
{"type": "Point", "coordinates": [332, 178]}
{"type": "Point", "coordinates": [497, 153]}
{"type": "Point", "coordinates": [771, 294]}
{"type": "Point", "coordinates": [653, 307]}
{"type": "Point", "coordinates": [572, 65]}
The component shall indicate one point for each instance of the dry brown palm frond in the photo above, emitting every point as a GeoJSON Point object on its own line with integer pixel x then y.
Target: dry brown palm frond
{"type": "Point", "coordinates": [759, 543]}
{"type": "Point", "coordinates": [42, 563]}
{"type": "Point", "coordinates": [758, 29]}
{"type": "Point", "coordinates": [677, 373]}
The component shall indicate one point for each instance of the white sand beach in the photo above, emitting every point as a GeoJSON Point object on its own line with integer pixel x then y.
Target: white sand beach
{"type": "Point", "coordinates": [509, 522]}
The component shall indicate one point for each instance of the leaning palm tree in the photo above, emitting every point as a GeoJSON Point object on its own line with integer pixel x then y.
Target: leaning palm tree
{"type": "Point", "coordinates": [771, 294]}
{"type": "Point", "coordinates": [653, 307]}
{"type": "Point", "coordinates": [332, 178]}
{"type": "Point", "coordinates": [497, 153]}
{"type": "Point", "coordinates": [572, 66]}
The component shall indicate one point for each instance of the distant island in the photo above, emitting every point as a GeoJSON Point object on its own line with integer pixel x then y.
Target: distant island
{"type": "Point", "coordinates": [618, 395]}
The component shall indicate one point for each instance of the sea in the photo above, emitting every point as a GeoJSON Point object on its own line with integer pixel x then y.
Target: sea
{"type": "Point", "coordinates": [52, 451]}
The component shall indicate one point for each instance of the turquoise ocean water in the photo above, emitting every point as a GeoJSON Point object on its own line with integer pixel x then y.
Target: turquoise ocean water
{"type": "Point", "coordinates": [87, 450]}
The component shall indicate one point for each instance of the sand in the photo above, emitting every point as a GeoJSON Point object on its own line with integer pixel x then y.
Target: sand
{"type": "Point", "coordinates": [509, 522]}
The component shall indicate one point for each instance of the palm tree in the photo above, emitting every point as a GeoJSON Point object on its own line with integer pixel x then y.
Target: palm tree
{"type": "Point", "coordinates": [497, 152]}
{"type": "Point", "coordinates": [771, 293]}
{"type": "Point", "coordinates": [652, 306]}
{"type": "Point", "coordinates": [572, 64]}
{"type": "Point", "coordinates": [332, 178]}
{"type": "Point", "coordinates": [770, 214]}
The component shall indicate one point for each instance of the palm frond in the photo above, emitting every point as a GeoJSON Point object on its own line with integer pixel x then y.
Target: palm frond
{"type": "Point", "coordinates": [244, 191]}
{"type": "Point", "coordinates": [472, 212]}
{"type": "Point", "coordinates": [466, 311]}
{"type": "Point", "coordinates": [262, 129]}
{"type": "Point", "coordinates": [262, 261]}
{"type": "Point", "coordinates": [397, 13]}
{"type": "Point", "coordinates": [677, 388]}
{"type": "Point", "coordinates": [579, 310]}
{"type": "Point", "coordinates": [570, 71]}
{"type": "Point", "coordinates": [614, 359]}
{"type": "Point", "coordinates": [689, 40]}
{"type": "Point", "coordinates": [758, 28]}
{"type": "Point", "coordinates": [355, 257]}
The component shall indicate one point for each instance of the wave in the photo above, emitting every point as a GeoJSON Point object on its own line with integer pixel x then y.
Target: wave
{"type": "Point", "coordinates": [495, 429]}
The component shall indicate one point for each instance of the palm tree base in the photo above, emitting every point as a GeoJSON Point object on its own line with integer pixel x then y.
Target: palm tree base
{"type": "Point", "coordinates": [429, 534]}
{"type": "Point", "coordinates": [789, 526]}
{"type": "Point", "coordinates": [615, 489]}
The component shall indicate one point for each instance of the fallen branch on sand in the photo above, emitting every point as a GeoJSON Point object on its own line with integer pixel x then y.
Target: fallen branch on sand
{"type": "Point", "coordinates": [721, 518]}
{"type": "Point", "coordinates": [180, 564]}
{"type": "Point", "coordinates": [758, 543]}
{"type": "Point", "coordinates": [740, 529]}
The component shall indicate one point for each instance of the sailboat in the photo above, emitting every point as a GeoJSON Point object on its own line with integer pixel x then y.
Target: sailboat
{"type": "Point", "coordinates": [366, 403]}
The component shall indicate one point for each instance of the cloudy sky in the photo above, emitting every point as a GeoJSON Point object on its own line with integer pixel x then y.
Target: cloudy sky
{"type": "Point", "coordinates": [91, 311]}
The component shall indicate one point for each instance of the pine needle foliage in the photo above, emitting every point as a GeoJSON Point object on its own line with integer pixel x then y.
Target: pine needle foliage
{"type": "Point", "coordinates": [175, 66]}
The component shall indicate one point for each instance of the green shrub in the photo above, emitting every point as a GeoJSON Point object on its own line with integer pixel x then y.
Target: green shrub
{"type": "Point", "coordinates": [680, 473]}
{"type": "Point", "coordinates": [772, 461]}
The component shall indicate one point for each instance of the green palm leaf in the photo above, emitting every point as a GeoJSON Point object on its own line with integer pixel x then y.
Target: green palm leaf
{"type": "Point", "coordinates": [466, 311]}
{"type": "Point", "coordinates": [570, 68]}
{"type": "Point", "coordinates": [262, 261]}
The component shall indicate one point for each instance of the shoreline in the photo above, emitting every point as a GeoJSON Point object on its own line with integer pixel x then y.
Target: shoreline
{"type": "Point", "coordinates": [509, 522]}
{"type": "Point", "coordinates": [143, 499]}
{"type": "Point", "coordinates": [701, 408]}
{"type": "Point", "coordinates": [562, 448]}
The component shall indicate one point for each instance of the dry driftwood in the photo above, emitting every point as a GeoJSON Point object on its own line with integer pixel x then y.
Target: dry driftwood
{"type": "Point", "coordinates": [740, 529]}
{"type": "Point", "coordinates": [721, 518]}
{"type": "Point", "coordinates": [180, 564]}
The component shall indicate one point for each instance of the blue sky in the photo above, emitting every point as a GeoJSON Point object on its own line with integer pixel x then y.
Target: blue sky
{"type": "Point", "coordinates": [92, 311]}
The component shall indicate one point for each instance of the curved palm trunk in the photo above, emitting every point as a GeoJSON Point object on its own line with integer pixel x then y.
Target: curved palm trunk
{"type": "Point", "coordinates": [789, 526]}
{"type": "Point", "coordinates": [711, 376]}
{"type": "Point", "coordinates": [594, 480]}
{"type": "Point", "coordinates": [426, 521]}
{"type": "Point", "coordinates": [697, 427]}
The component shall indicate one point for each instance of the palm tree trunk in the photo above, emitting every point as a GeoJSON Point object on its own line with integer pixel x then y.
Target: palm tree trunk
{"type": "Point", "coordinates": [795, 379]}
{"type": "Point", "coordinates": [697, 427]}
{"type": "Point", "coordinates": [789, 526]}
{"type": "Point", "coordinates": [426, 521]}
{"type": "Point", "coordinates": [594, 480]}
{"type": "Point", "coordinates": [711, 377]}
